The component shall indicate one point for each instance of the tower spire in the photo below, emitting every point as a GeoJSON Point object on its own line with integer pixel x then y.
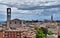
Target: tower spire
{"type": "Point", "coordinates": [51, 17]}
{"type": "Point", "coordinates": [8, 17]}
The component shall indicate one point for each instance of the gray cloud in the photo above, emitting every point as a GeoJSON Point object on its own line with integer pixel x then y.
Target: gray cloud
{"type": "Point", "coordinates": [31, 4]}
{"type": "Point", "coordinates": [32, 9]}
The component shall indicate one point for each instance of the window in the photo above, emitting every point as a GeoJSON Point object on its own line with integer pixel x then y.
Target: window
{"type": "Point", "coordinates": [9, 10]}
{"type": "Point", "coordinates": [6, 33]}
{"type": "Point", "coordinates": [6, 36]}
{"type": "Point", "coordinates": [18, 34]}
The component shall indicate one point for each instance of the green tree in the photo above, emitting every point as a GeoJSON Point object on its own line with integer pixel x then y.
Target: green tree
{"type": "Point", "coordinates": [40, 34]}
{"type": "Point", "coordinates": [50, 33]}
{"type": "Point", "coordinates": [45, 31]}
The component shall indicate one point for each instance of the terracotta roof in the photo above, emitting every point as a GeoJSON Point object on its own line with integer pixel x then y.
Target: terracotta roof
{"type": "Point", "coordinates": [58, 24]}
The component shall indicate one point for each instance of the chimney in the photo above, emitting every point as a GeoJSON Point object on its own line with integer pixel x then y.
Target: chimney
{"type": "Point", "coordinates": [8, 17]}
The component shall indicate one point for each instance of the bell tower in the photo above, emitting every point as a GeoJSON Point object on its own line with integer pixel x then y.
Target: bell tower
{"type": "Point", "coordinates": [8, 17]}
{"type": "Point", "coordinates": [51, 17]}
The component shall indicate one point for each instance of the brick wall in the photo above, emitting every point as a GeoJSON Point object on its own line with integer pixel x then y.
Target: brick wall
{"type": "Point", "coordinates": [1, 34]}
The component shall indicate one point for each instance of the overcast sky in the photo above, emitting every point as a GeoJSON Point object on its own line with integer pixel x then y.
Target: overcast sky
{"type": "Point", "coordinates": [30, 9]}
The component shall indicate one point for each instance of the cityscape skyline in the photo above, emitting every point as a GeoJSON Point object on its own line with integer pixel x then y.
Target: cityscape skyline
{"type": "Point", "coordinates": [29, 18]}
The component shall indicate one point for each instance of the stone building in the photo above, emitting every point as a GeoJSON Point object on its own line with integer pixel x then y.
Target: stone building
{"type": "Point", "coordinates": [16, 28]}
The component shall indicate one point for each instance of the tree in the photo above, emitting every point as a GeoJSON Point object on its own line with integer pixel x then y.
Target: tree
{"type": "Point", "coordinates": [40, 34]}
{"type": "Point", "coordinates": [50, 33]}
{"type": "Point", "coordinates": [45, 30]}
